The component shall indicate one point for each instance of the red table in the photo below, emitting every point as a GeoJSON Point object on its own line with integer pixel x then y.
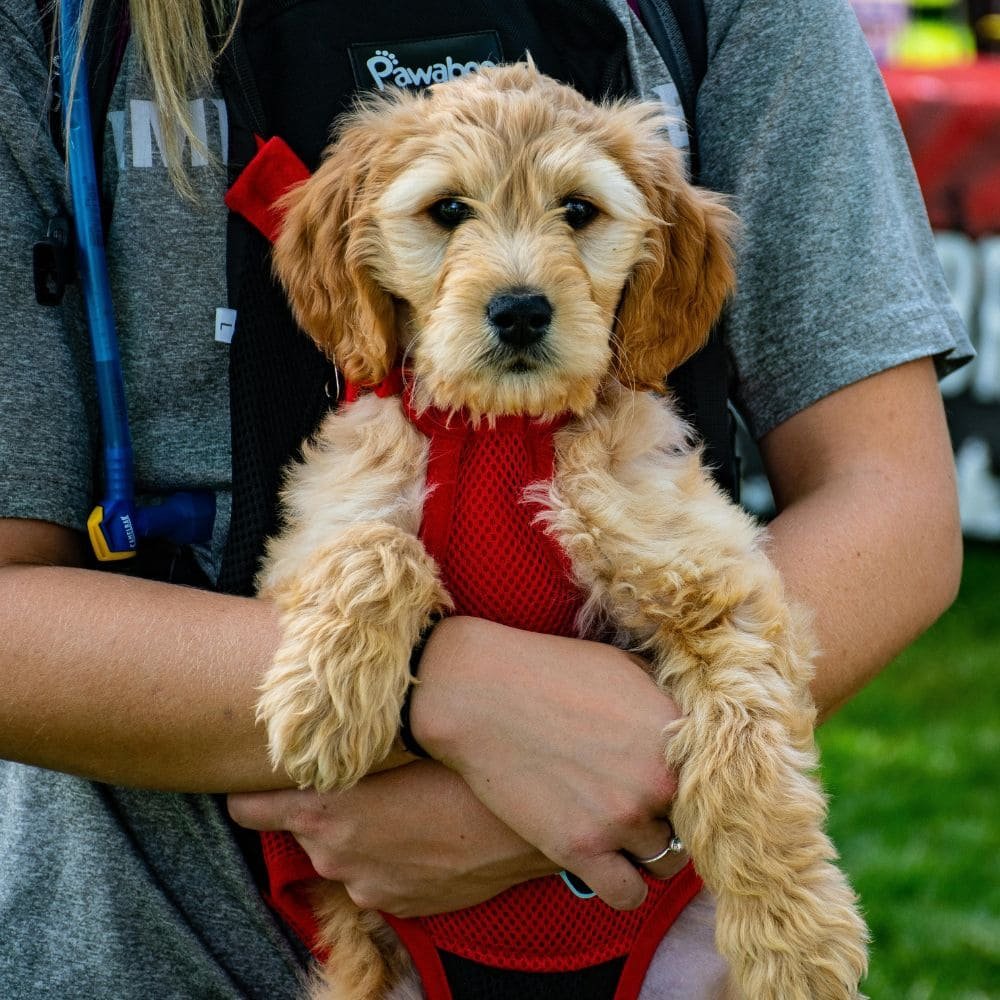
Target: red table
{"type": "Point", "coordinates": [951, 118]}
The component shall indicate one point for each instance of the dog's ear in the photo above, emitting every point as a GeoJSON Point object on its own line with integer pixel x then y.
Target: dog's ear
{"type": "Point", "coordinates": [680, 284]}
{"type": "Point", "coordinates": [322, 256]}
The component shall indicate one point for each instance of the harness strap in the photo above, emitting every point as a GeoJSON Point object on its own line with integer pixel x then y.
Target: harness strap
{"type": "Point", "coordinates": [426, 958]}
{"type": "Point", "coordinates": [684, 886]}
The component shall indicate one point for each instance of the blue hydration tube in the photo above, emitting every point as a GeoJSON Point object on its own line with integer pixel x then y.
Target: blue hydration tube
{"type": "Point", "coordinates": [116, 524]}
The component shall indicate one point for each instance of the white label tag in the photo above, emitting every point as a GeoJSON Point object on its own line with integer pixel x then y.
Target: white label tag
{"type": "Point", "coordinates": [225, 325]}
{"type": "Point", "coordinates": [676, 126]}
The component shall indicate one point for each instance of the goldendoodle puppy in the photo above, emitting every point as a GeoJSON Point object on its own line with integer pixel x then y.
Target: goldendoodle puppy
{"type": "Point", "coordinates": [530, 257]}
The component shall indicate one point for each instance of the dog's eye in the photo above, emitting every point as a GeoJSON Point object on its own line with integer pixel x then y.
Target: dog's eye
{"type": "Point", "coordinates": [450, 212]}
{"type": "Point", "coordinates": [578, 212]}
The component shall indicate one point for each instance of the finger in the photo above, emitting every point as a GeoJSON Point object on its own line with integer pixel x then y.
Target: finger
{"type": "Point", "coordinates": [614, 879]}
{"type": "Point", "coordinates": [667, 859]}
{"type": "Point", "coordinates": [263, 810]}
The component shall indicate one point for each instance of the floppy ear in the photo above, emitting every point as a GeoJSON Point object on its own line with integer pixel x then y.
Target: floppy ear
{"type": "Point", "coordinates": [679, 286]}
{"type": "Point", "coordinates": [322, 256]}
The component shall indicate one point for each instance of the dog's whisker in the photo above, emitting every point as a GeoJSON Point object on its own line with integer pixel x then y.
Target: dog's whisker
{"type": "Point", "coordinates": [405, 362]}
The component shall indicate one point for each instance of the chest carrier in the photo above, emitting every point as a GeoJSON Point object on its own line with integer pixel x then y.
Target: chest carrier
{"type": "Point", "coordinates": [289, 71]}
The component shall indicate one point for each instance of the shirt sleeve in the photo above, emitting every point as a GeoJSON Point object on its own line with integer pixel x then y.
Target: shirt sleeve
{"type": "Point", "coordinates": [838, 277]}
{"type": "Point", "coordinates": [46, 447]}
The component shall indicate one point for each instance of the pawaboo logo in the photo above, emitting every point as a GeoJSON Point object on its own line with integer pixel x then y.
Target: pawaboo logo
{"type": "Point", "coordinates": [385, 65]}
{"type": "Point", "coordinates": [414, 63]}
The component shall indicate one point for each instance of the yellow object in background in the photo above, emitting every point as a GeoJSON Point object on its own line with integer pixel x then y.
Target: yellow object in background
{"type": "Point", "coordinates": [937, 34]}
{"type": "Point", "coordinates": [987, 29]}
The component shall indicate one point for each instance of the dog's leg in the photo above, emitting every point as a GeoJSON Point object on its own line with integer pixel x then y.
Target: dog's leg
{"type": "Point", "coordinates": [365, 960]}
{"type": "Point", "coordinates": [747, 804]}
{"type": "Point", "coordinates": [332, 698]}
{"type": "Point", "coordinates": [680, 572]}
{"type": "Point", "coordinates": [354, 587]}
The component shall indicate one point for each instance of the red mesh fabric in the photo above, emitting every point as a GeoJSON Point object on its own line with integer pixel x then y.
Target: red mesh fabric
{"type": "Point", "coordinates": [539, 926]}
{"type": "Point", "coordinates": [498, 565]}
{"type": "Point", "coordinates": [494, 561]}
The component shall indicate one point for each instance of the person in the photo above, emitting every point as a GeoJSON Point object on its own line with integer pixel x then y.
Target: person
{"type": "Point", "coordinates": [128, 703]}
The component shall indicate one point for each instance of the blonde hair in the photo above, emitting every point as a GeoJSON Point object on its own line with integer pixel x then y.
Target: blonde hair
{"type": "Point", "coordinates": [180, 42]}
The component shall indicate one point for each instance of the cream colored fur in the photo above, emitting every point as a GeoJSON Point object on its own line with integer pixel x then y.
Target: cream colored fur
{"type": "Point", "coordinates": [665, 560]}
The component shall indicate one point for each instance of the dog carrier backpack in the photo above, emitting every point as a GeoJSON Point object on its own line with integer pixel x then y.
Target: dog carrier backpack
{"type": "Point", "coordinates": [535, 939]}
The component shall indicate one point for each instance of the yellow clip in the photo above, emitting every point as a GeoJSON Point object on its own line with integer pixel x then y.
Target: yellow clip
{"type": "Point", "coordinates": [99, 543]}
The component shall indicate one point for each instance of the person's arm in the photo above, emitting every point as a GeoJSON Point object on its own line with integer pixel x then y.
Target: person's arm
{"type": "Point", "coordinates": [125, 680]}
{"type": "Point", "coordinates": [562, 744]}
{"type": "Point", "coordinates": [152, 685]}
{"type": "Point", "coordinates": [867, 535]}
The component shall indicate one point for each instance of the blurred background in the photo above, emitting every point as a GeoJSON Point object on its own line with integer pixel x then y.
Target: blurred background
{"type": "Point", "coordinates": [912, 764]}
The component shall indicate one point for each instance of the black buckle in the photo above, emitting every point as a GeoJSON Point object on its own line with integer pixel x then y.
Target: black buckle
{"type": "Point", "coordinates": [53, 262]}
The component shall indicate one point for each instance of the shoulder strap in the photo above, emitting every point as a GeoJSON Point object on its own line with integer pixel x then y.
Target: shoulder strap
{"type": "Point", "coordinates": [678, 29]}
{"type": "Point", "coordinates": [106, 37]}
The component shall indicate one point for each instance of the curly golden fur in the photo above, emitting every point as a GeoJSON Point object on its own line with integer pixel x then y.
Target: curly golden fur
{"type": "Point", "coordinates": [679, 572]}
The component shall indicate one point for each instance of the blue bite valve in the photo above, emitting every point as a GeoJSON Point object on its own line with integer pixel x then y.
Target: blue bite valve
{"type": "Point", "coordinates": [117, 526]}
{"type": "Point", "coordinates": [112, 530]}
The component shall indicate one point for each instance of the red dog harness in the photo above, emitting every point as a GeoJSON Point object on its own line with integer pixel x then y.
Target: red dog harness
{"type": "Point", "coordinates": [498, 564]}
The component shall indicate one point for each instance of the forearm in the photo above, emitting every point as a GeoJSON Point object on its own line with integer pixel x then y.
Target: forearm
{"type": "Point", "coordinates": [840, 559]}
{"type": "Point", "coordinates": [133, 682]}
{"type": "Point", "coordinates": [868, 536]}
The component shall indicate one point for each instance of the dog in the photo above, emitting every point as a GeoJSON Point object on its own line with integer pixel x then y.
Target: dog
{"type": "Point", "coordinates": [529, 253]}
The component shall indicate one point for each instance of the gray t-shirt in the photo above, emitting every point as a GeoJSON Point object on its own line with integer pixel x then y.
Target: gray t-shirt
{"type": "Point", "coordinates": [110, 892]}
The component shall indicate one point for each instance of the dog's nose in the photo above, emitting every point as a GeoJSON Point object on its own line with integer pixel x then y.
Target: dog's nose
{"type": "Point", "coordinates": [519, 319]}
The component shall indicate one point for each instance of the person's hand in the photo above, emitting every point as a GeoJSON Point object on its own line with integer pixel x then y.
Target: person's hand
{"type": "Point", "coordinates": [411, 841]}
{"type": "Point", "coordinates": [560, 738]}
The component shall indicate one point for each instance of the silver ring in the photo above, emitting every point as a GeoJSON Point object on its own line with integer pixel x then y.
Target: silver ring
{"type": "Point", "coordinates": [676, 846]}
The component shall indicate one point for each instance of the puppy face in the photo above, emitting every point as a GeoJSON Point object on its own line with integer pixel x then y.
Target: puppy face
{"type": "Point", "coordinates": [515, 242]}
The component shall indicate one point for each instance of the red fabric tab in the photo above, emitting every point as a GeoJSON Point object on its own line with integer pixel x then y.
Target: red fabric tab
{"type": "Point", "coordinates": [289, 875]}
{"type": "Point", "coordinates": [391, 385]}
{"type": "Point", "coordinates": [274, 170]}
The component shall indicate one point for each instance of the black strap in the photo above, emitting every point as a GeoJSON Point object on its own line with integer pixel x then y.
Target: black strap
{"type": "Point", "coordinates": [107, 34]}
{"type": "Point", "coordinates": [470, 981]}
{"type": "Point", "coordinates": [679, 30]}
{"type": "Point", "coordinates": [272, 368]}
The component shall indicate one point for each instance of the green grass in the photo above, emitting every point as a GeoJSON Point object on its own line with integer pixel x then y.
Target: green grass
{"type": "Point", "coordinates": [911, 766]}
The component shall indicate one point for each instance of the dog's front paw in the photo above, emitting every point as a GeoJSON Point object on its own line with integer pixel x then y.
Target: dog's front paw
{"type": "Point", "coordinates": [307, 735]}
{"type": "Point", "coordinates": [331, 700]}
